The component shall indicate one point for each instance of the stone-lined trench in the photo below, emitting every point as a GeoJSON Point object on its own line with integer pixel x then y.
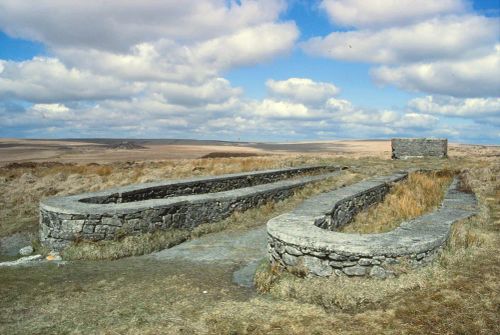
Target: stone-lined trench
{"type": "Point", "coordinates": [171, 205]}
{"type": "Point", "coordinates": [306, 238]}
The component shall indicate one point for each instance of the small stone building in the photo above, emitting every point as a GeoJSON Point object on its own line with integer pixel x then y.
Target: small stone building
{"type": "Point", "coordinates": [403, 148]}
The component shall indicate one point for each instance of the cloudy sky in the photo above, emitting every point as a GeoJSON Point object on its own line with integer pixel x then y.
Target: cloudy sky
{"type": "Point", "coordinates": [250, 70]}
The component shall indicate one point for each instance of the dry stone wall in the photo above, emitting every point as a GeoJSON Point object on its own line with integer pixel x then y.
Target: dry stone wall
{"type": "Point", "coordinates": [303, 238]}
{"type": "Point", "coordinates": [403, 148]}
{"type": "Point", "coordinates": [162, 190]}
{"type": "Point", "coordinates": [149, 207]}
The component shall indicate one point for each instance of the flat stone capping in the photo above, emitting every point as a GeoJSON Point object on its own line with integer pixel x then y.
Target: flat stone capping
{"type": "Point", "coordinates": [171, 204]}
{"type": "Point", "coordinates": [404, 148]}
{"type": "Point", "coordinates": [200, 185]}
{"type": "Point", "coordinates": [295, 239]}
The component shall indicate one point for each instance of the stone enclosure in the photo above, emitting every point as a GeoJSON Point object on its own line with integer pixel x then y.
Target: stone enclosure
{"type": "Point", "coordinates": [404, 148]}
{"type": "Point", "coordinates": [306, 238]}
{"type": "Point", "coordinates": [183, 204]}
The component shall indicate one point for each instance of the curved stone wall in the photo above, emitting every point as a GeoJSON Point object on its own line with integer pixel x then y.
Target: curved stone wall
{"type": "Point", "coordinates": [297, 239]}
{"type": "Point", "coordinates": [172, 204]}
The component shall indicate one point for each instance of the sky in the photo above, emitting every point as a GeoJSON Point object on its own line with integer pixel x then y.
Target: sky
{"type": "Point", "coordinates": [263, 70]}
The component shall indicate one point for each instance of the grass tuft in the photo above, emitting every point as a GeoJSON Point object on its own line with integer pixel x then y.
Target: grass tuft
{"type": "Point", "coordinates": [266, 275]}
{"type": "Point", "coordinates": [420, 193]}
{"type": "Point", "coordinates": [128, 246]}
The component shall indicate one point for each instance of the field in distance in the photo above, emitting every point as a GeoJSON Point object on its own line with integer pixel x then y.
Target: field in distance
{"type": "Point", "coordinates": [112, 150]}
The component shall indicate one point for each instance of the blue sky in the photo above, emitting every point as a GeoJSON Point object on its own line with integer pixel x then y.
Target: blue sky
{"type": "Point", "coordinates": [270, 70]}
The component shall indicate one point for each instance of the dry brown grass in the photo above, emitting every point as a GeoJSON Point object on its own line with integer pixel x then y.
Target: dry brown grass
{"type": "Point", "coordinates": [23, 185]}
{"type": "Point", "coordinates": [419, 194]}
{"type": "Point", "coordinates": [128, 246]}
{"type": "Point", "coordinates": [458, 294]}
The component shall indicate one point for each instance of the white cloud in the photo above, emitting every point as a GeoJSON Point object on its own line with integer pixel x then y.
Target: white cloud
{"type": "Point", "coordinates": [449, 106]}
{"type": "Point", "coordinates": [416, 120]}
{"type": "Point", "coordinates": [362, 13]}
{"type": "Point", "coordinates": [302, 90]}
{"type": "Point", "coordinates": [120, 24]}
{"type": "Point", "coordinates": [170, 60]}
{"type": "Point", "coordinates": [247, 46]}
{"type": "Point", "coordinates": [435, 47]}
{"type": "Point", "coordinates": [48, 80]}
{"type": "Point", "coordinates": [477, 77]}
{"type": "Point", "coordinates": [216, 91]}
{"type": "Point", "coordinates": [163, 60]}
{"type": "Point", "coordinates": [344, 111]}
{"type": "Point", "coordinates": [282, 109]}
{"type": "Point", "coordinates": [450, 37]}
{"type": "Point", "coordinates": [152, 40]}
{"type": "Point", "coordinates": [51, 111]}
{"type": "Point", "coordinates": [153, 115]}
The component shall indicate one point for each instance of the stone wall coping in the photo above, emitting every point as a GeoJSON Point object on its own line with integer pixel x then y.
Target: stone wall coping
{"type": "Point", "coordinates": [194, 180]}
{"type": "Point", "coordinates": [73, 205]}
{"type": "Point", "coordinates": [419, 235]}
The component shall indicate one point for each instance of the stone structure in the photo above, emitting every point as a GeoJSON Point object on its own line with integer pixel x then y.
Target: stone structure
{"type": "Point", "coordinates": [162, 205]}
{"type": "Point", "coordinates": [304, 237]}
{"type": "Point", "coordinates": [403, 148]}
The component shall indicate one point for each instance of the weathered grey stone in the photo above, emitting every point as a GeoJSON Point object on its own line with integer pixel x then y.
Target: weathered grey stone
{"type": "Point", "coordinates": [337, 257]}
{"type": "Point", "coordinates": [317, 254]}
{"type": "Point", "coordinates": [356, 270]}
{"type": "Point", "coordinates": [378, 272]}
{"type": "Point", "coordinates": [364, 261]}
{"type": "Point", "coordinates": [88, 229]}
{"type": "Point", "coordinates": [292, 251]}
{"type": "Point", "coordinates": [317, 266]}
{"type": "Point", "coordinates": [391, 260]}
{"type": "Point", "coordinates": [343, 264]}
{"type": "Point", "coordinates": [26, 251]}
{"type": "Point", "coordinates": [70, 228]}
{"type": "Point", "coordinates": [289, 259]}
{"type": "Point", "coordinates": [274, 256]}
{"type": "Point", "coordinates": [403, 148]}
{"type": "Point", "coordinates": [113, 221]}
{"type": "Point", "coordinates": [420, 256]}
{"type": "Point", "coordinates": [132, 224]}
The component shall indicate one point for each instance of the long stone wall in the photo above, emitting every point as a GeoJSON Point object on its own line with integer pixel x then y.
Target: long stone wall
{"type": "Point", "coordinates": [167, 189]}
{"type": "Point", "coordinates": [403, 148]}
{"type": "Point", "coordinates": [296, 239]}
{"type": "Point", "coordinates": [164, 205]}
